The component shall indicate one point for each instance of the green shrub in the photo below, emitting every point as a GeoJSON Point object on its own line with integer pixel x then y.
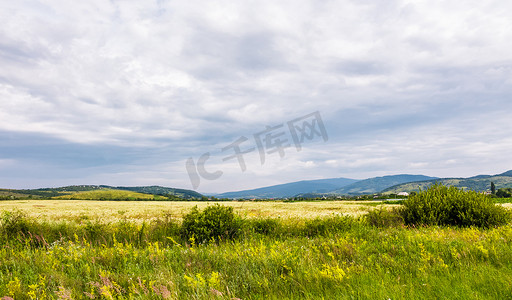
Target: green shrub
{"type": "Point", "coordinates": [384, 218]}
{"type": "Point", "coordinates": [214, 223]}
{"type": "Point", "coordinates": [441, 205]}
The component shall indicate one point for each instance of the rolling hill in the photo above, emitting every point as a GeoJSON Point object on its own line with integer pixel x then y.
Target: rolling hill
{"type": "Point", "coordinates": [291, 189]}
{"type": "Point", "coordinates": [99, 191]}
{"type": "Point", "coordinates": [478, 183]}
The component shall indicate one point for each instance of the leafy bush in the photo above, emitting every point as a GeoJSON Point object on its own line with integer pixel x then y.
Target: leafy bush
{"type": "Point", "coordinates": [441, 205]}
{"type": "Point", "coordinates": [13, 223]}
{"type": "Point", "coordinates": [214, 223]}
{"type": "Point", "coordinates": [384, 218]}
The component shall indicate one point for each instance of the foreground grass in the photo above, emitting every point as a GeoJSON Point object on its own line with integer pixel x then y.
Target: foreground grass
{"type": "Point", "coordinates": [330, 257]}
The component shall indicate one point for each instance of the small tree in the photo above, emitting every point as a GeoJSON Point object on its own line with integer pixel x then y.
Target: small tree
{"type": "Point", "coordinates": [213, 223]}
{"type": "Point", "coordinates": [493, 188]}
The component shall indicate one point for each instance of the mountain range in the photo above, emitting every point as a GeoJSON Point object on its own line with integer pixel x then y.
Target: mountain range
{"type": "Point", "coordinates": [391, 184]}
{"type": "Point", "coordinates": [291, 189]}
{"type": "Point", "coordinates": [326, 187]}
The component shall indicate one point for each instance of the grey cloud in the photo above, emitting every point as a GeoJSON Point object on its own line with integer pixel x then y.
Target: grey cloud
{"type": "Point", "coordinates": [259, 52]}
{"type": "Point", "coordinates": [353, 67]}
{"type": "Point", "coordinates": [14, 53]}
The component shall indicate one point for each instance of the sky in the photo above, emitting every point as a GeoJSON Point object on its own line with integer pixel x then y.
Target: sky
{"type": "Point", "coordinates": [125, 93]}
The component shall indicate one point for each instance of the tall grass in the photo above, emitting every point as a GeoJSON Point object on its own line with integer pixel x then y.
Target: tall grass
{"type": "Point", "coordinates": [270, 258]}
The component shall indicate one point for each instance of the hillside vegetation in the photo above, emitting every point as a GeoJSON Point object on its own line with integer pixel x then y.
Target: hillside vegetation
{"type": "Point", "coordinates": [163, 191]}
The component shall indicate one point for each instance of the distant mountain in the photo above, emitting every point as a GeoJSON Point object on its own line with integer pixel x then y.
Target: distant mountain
{"type": "Point", "coordinates": [98, 191]}
{"type": "Point", "coordinates": [377, 184]}
{"type": "Point", "coordinates": [480, 176]}
{"type": "Point", "coordinates": [508, 173]}
{"type": "Point", "coordinates": [478, 183]}
{"type": "Point", "coordinates": [291, 189]}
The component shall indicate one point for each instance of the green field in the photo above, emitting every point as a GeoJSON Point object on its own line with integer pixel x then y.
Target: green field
{"type": "Point", "coordinates": [72, 249]}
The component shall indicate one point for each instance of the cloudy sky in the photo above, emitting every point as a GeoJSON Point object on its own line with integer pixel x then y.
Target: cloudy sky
{"type": "Point", "coordinates": [125, 92]}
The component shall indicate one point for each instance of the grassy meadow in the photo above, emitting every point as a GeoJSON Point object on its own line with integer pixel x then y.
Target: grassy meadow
{"type": "Point", "coordinates": [75, 210]}
{"type": "Point", "coordinates": [75, 249]}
